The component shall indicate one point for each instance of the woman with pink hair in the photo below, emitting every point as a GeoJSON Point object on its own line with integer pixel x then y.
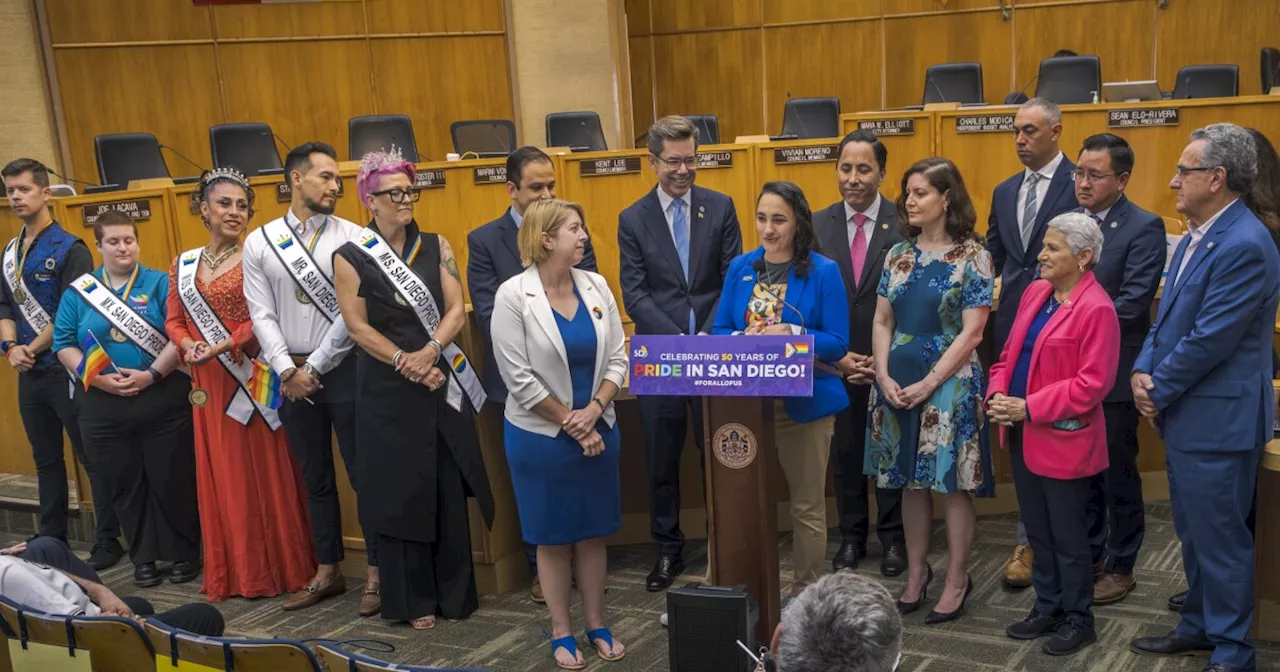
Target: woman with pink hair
{"type": "Point", "coordinates": [401, 297]}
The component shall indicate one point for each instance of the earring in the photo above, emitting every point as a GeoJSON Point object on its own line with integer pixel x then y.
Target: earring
{"type": "Point", "coordinates": [1082, 268]}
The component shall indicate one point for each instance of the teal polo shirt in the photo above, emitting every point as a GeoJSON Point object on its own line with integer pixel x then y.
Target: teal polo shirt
{"type": "Point", "coordinates": [76, 318]}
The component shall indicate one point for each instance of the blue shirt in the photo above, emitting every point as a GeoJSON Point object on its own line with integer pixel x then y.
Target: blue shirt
{"type": "Point", "coordinates": [76, 318]}
{"type": "Point", "coordinates": [1018, 381]}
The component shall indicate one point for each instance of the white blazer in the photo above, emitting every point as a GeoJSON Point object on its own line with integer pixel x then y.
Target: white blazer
{"type": "Point", "coordinates": [530, 352]}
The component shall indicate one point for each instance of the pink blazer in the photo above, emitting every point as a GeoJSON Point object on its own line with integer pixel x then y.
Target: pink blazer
{"type": "Point", "coordinates": [1073, 368]}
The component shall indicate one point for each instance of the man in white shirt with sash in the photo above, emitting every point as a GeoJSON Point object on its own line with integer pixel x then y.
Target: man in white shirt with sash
{"type": "Point", "coordinates": [288, 282]}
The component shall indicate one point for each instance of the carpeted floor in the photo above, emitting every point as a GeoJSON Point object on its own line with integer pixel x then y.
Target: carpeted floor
{"type": "Point", "coordinates": [505, 635]}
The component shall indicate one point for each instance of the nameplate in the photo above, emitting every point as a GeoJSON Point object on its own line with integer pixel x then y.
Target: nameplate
{"type": "Point", "coordinates": [1143, 116]}
{"type": "Point", "coordinates": [600, 167]}
{"type": "Point", "coordinates": [889, 126]}
{"type": "Point", "coordinates": [814, 154]}
{"type": "Point", "coordinates": [723, 366]}
{"type": "Point", "coordinates": [284, 191]}
{"type": "Point", "coordinates": [429, 179]}
{"type": "Point", "coordinates": [987, 123]}
{"type": "Point", "coordinates": [489, 175]}
{"type": "Point", "coordinates": [715, 159]}
{"type": "Point", "coordinates": [137, 210]}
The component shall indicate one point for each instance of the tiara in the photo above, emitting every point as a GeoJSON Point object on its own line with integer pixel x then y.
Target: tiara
{"type": "Point", "coordinates": [226, 173]}
{"type": "Point", "coordinates": [372, 161]}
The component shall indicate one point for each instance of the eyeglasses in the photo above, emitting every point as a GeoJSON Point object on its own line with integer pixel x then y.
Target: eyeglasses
{"type": "Point", "coordinates": [1082, 176]}
{"type": "Point", "coordinates": [399, 195]}
{"type": "Point", "coordinates": [674, 163]}
{"type": "Point", "coordinates": [1184, 171]}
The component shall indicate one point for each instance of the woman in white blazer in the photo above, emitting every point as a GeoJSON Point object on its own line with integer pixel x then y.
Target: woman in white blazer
{"type": "Point", "coordinates": [558, 343]}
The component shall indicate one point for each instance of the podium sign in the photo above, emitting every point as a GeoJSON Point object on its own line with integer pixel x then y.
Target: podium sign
{"type": "Point", "coordinates": [722, 366]}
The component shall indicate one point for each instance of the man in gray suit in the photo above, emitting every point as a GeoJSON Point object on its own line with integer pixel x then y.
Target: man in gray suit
{"type": "Point", "coordinates": [857, 232]}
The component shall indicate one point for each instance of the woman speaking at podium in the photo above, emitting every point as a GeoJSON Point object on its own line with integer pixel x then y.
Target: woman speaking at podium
{"type": "Point", "coordinates": [784, 287]}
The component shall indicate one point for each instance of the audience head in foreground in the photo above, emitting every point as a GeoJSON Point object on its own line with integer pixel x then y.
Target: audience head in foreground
{"type": "Point", "coordinates": [842, 623]}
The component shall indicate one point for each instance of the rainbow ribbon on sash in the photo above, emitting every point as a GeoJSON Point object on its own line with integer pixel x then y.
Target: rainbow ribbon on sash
{"type": "Point", "coordinates": [94, 362]}
{"type": "Point", "coordinates": [264, 386]}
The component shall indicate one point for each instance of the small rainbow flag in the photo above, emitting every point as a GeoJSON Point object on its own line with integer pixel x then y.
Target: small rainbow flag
{"type": "Point", "coordinates": [459, 363]}
{"type": "Point", "coordinates": [264, 386]}
{"type": "Point", "coordinates": [802, 348]}
{"type": "Point", "coordinates": [95, 360]}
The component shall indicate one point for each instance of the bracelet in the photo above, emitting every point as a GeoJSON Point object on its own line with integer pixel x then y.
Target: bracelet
{"type": "Point", "coordinates": [288, 375]}
{"type": "Point", "coordinates": [395, 359]}
{"type": "Point", "coordinates": [155, 375]}
{"type": "Point", "coordinates": [6, 346]}
{"type": "Point", "coordinates": [603, 406]}
{"type": "Point", "coordinates": [433, 343]}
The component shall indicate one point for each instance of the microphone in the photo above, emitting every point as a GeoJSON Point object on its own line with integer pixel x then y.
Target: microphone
{"type": "Point", "coordinates": [799, 119]}
{"type": "Point", "coordinates": [179, 155]}
{"type": "Point", "coordinates": [1019, 97]}
{"type": "Point", "coordinates": [493, 128]}
{"type": "Point", "coordinates": [759, 267]}
{"type": "Point", "coordinates": [70, 179]}
{"type": "Point", "coordinates": [942, 98]}
{"type": "Point", "coordinates": [1186, 81]}
{"type": "Point", "coordinates": [284, 144]}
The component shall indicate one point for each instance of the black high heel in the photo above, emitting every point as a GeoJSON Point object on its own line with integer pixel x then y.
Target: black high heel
{"type": "Point", "coordinates": [905, 608]}
{"type": "Point", "coordinates": [935, 617]}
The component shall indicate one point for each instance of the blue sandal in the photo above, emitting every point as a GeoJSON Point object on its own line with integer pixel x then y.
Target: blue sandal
{"type": "Point", "coordinates": [569, 644]}
{"type": "Point", "coordinates": [606, 636]}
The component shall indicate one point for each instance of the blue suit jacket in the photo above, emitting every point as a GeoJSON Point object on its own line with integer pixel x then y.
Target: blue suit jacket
{"type": "Point", "coordinates": [1209, 351]}
{"type": "Point", "coordinates": [493, 256]}
{"type": "Point", "coordinates": [1132, 261]}
{"type": "Point", "coordinates": [654, 289]}
{"type": "Point", "coordinates": [824, 312]}
{"type": "Point", "coordinates": [1017, 266]}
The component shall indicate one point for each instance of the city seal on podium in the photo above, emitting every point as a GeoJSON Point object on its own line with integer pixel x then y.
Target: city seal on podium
{"type": "Point", "coordinates": [734, 445]}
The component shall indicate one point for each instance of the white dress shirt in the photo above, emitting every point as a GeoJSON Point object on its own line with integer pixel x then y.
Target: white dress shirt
{"type": "Point", "coordinates": [1196, 234]}
{"type": "Point", "coordinates": [1046, 172]}
{"type": "Point", "coordinates": [868, 227]}
{"type": "Point", "coordinates": [1100, 216]}
{"type": "Point", "coordinates": [282, 323]}
{"type": "Point", "coordinates": [515, 216]}
{"type": "Point", "coordinates": [666, 200]}
{"type": "Point", "coordinates": [43, 589]}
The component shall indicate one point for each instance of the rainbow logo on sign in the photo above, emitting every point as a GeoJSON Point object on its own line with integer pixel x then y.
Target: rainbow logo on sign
{"type": "Point", "coordinates": [794, 349]}
{"type": "Point", "coordinates": [459, 363]}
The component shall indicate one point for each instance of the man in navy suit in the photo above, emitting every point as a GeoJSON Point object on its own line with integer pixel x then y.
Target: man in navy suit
{"type": "Point", "coordinates": [1203, 379]}
{"type": "Point", "coordinates": [1132, 260]}
{"type": "Point", "coordinates": [493, 257]}
{"type": "Point", "coordinates": [675, 245]}
{"type": "Point", "coordinates": [1021, 208]}
{"type": "Point", "coordinates": [857, 233]}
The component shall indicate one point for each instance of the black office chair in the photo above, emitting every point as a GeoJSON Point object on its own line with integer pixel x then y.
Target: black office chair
{"type": "Point", "coordinates": [811, 117]}
{"type": "Point", "coordinates": [708, 126]}
{"type": "Point", "coordinates": [1070, 79]}
{"type": "Point", "coordinates": [486, 137]}
{"type": "Point", "coordinates": [250, 148]}
{"type": "Point", "coordinates": [1270, 69]}
{"type": "Point", "coordinates": [579, 131]}
{"type": "Point", "coordinates": [123, 157]}
{"type": "Point", "coordinates": [1207, 81]}
{"type": "Point", "coordinates": [953, 83]}
{"type": "Point", "coordinates": [378, 133]}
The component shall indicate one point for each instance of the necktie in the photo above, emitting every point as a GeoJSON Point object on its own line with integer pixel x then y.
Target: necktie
{"type": "Point", "coordinates": [680, 231]}
{"type": "Point", "coordinates": [1029, 209]}
{"type": "Point", "coordinates": [858, 248]}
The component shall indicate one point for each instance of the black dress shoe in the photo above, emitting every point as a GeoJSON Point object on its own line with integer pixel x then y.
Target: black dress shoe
{"type": "Point", "coordinates": [1177, 600]}
{"type": "Point", "coordinates": [1169, 645]}
{"type": "Point", "coordinates": [848, 556]}
{"type": "Point", "coordinates": [1219, 667]}
{"type": "Point", "coordinates": [147, 576]}
{"type": "Point", "coordinates": [937, 618]}
{"type": "Point", "coordinates": [894, 560]}
{"type": "Point", "coordinates": [183, 571]}
{"type": "Point", "coordinates": [905, 608]}
{"type": "Point", "coordinates": [105, 555]}
{"type": "Point", "coordinates": [667, 568]}
{"type": "Point", "coordinates": [1070, 638]}
{"type": "Point", "coordinates": [1034, 626]}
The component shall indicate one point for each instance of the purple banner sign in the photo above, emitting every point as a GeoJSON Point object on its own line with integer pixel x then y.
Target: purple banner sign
{"type": "Point", "coordinates": [722, 366]}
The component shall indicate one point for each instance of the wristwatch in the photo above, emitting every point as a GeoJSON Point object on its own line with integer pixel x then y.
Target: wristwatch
{"type": "Point", "coordinates": [6, 345]}
{"type": "Point", "coordinates": [311, 370]}
{"type": "Point", "coordinates": [155, 375]}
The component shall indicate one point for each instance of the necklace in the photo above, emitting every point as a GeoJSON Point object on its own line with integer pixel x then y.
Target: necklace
{"type": "Point", "coordinates": [776, 274]}
{"type": "Point", "coordinates": [212, 263]}
{"type": "Point", "coordinates": [1052, 305]}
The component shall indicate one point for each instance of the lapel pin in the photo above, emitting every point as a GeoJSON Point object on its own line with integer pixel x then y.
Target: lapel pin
{"type": "Point", "coordinates": [595, 310]}
{"type": "Point", "coordinates": [885, 227]}
{"type": "Point", "coordinates": [1114, 224]}
{"type": "Point", "coordinates": [1211, 244]}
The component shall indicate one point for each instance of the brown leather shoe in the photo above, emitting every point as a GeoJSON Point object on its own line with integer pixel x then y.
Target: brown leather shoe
{"type": "Point", "coordinates": [1112, 588]}
{"type": "Point", "coordinates": [371, 600]}
{"type": "Point", "coordinates": [1017, 574]}
{"type": "Point", "coordinates": [535, 593]}
{"type": "Point", "coordinates": [314, 593]}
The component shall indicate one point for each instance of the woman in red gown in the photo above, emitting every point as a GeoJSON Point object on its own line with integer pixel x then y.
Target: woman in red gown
{"type": "Point", "coordinates": [253, 508]}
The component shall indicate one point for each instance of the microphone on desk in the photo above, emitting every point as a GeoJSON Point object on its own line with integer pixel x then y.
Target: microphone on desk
{"type": "Point", "coordinates": [942, 98]}
{"type": "Point", "coordinates": [287, 147]}
{"type": "Point", "coordinates": [1019, 97]}
{"type": "Point", "coordinates": [799, 120]}
{"type": "Point", "coordinates": [180, 156]}
{"type": "Point", "coordinates": [493, 128]}
{"type": "Point", "coordinates": [72, 179]}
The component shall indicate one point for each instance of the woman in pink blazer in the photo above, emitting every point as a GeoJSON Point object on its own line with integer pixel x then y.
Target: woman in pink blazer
{"type": "Point", "coordinates": [1046, 392]}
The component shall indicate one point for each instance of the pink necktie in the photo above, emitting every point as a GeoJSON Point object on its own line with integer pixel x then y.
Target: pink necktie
{"type": "Point", "coordinates": [858, 248]}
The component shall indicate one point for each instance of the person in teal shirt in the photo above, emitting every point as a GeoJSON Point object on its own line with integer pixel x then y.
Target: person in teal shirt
{"type": "Point", "coordinates": [135, 418]}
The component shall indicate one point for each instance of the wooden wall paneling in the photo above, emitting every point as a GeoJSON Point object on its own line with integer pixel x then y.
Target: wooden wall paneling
{"type": "Point", "coordinates": [642, 86]}
{"type": "Point", "coordinates": [711, 73]}
{"type": "Point", "coordinates": [836, 59]}
{"type": "Point", "coordinates": [903, 150]}
{"type": "Point", "coordinates": [681, 15]}
{"type": "Point", "coordinates": [295, 20]}
{"type": "Point", "coordinates": [818, 180]}
{"type": "Point", "coordinates": [914, 43]}
{"type": "Point", "coordinates": [455, 94]}
{"type": "Point", "coordinates": [156, 241]}
{"type": "Point", "coordinates": [15, 450]}
{"type": "Point", "coordinates": [433, 16]}
{"type": "Point", "coordinates": [170, 91]}
{"type": "Point", "coordinates": [77, 21]}
{"type": "Point", "coordinates": [30, 127]}
{"type": "Point", "coordinates": [460, 207]}
{"type": "Point", "coordinates": [791, 11]}
{"type": "Point", "coordinates": [1120, 32]}
{"type": "Point", "coordinates": [738, 182]}
{"type": "Point", "coordinates": [637, 17]}
{"type": "Point", "coordinates": [951, 7]}
{"type": "Point", "coordinates": [1196, 32]}
{"type": "Point", "coordinates": [984, 159]}
{"type": "Point", "coordinates": [305, 90]}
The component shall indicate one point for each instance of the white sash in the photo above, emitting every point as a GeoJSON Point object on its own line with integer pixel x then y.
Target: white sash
{"type": "Point", "coordinates": [302, 267]}
{"type": "Point", "coordinates": [212, 330]}
{"type": "Point", "coordinates": [415, 292]}
{"type": "Point", "coordinates": [123, 318]}
{"type": "Point", "coordinates": [31, 309]}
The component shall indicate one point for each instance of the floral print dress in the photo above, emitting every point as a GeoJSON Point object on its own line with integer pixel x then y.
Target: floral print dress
{"type": "Point", "coordinates": [941, 444]}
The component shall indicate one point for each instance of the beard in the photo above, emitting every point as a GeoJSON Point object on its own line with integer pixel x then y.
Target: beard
{"type": "Point", "coordinates": [319, 207]}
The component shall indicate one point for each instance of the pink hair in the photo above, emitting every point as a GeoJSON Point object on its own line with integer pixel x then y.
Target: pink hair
{"type": "Point", "coordinates": [375, 165]}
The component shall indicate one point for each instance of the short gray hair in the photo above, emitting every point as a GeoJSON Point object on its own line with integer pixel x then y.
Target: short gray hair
{"type": "Point", "coordinates": [844, 622]}
{"type": "Point", "coordinates": [1231, 147]}
{"type": "Point", "coordinates": [1050, 108]}
{"type": "Point", "coordinates": [671, 127]}
{"type": "Point", "coordinates": [1082, 233]}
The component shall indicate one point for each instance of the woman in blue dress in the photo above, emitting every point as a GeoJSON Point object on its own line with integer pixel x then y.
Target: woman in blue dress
{"type": "Point", "coordinates": [558, 343]}
{"type": "Point", "coordinates": [927, 432]}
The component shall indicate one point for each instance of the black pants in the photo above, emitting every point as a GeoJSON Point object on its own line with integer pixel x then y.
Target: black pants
{"type": "Point", "coordinates": [1055, 512]}
{"type": "Point", "coordinates": [848, 446]}
{"type": "Point", "coordinates": [146, 446]}
{"type": "Point", "coordinates": [666, 420]}
{"type": "Point", "coordinates": [46, 407]}
{"type": "Point", "coordinates": [200, 618]}
{"type": "Point", "coordinates": [1117, 520]}
{"type": "Point", "coordinates": [310, 429]}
